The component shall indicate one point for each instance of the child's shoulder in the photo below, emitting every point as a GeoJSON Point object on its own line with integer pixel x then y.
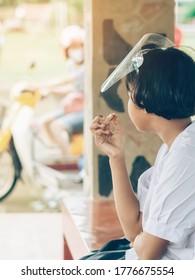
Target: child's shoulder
{"type": "Point", "coordinates": [185, 142]}
{"type": "Point", "coordinates": [181, 150]}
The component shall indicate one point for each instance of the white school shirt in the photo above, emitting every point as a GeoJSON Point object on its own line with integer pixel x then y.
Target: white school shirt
{"type": "Point", "coordinates": [166, 193]}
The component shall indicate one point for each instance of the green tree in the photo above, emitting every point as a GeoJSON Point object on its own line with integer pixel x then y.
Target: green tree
{"type": "Point", "coordinates": [190, 14]}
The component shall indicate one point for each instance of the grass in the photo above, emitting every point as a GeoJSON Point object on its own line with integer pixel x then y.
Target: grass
{"type": "Point", "coordinates": [21, 49]}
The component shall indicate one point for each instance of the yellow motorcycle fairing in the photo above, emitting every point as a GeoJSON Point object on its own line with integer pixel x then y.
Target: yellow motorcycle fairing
{"type": "Point", "coordinates": [25, 98]}
{"type": "Point", "coordinates": [28, 98]}
{"type": "Point", "coordinates": [5, 137]}
{"type": "Point", "coordinates": [76, 145]}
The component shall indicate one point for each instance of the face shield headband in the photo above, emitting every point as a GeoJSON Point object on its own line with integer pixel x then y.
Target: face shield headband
{"type": "Point", "coordinates": [135, 57]}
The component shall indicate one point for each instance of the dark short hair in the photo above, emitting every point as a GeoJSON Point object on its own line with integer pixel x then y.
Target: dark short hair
{"type": "Point", "coordinates": [164, 84]}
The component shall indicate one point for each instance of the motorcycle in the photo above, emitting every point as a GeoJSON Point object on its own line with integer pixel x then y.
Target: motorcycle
{"type": "Point", "coordinates": [21, 146]}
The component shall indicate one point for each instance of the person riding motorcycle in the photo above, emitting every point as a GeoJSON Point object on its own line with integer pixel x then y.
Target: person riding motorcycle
{"type": "Point", "coordinates": [60, 124]}
{"type": "Point", "coordinates": [17, 151]}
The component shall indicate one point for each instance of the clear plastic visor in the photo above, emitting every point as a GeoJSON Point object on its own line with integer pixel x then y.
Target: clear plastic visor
{"type": "Point", "coordinates": [134, 58]}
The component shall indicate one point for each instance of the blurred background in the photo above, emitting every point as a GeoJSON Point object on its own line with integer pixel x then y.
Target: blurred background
{"type": "Point", "coordinates": [30, 36]}
{"type": "Point", "coordinates": [30, 50]}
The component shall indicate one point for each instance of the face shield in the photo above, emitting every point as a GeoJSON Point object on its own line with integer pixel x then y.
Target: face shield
{"type": "Point", "coordinates": [135, 57]}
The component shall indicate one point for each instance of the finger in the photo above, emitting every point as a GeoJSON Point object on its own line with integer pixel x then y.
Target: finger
{"type": "Point", "coordinates": [110, 118]}
{"type": "Point", "coordinates": [96, 126]}
{"type": "Point", "coordinates": [98, 118]}
{"type": "Point", "coordinates": [117, 125]}
{"type": "Point", "coordinates": [114, 121]}
{"type": "Point", "coordinates": [100, 131]}
{"type": "Point", "coordinates": [103, 134]}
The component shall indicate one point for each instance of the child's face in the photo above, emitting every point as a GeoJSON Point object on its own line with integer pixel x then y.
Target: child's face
{"type": "Point", "coordinates": [139, 117]}
{"type": "Point", "coordinates": [76, 52]}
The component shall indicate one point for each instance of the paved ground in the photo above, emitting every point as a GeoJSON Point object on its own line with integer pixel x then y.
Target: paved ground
{"type": "Point", "coordinates": [28, 198]}
{"type": "Point", "coordinates": [31, 236]}
{"type": "Point", "coordinates": [31, 223]}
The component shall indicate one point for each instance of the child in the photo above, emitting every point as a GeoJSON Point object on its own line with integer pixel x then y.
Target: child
{"type": "Point", "coordinates": [68, 119]}
{"type": "Point", "coordinates": [160, 221]}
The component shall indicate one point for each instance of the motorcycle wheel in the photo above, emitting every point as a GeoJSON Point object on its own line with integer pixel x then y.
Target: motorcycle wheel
{"type": "Point", "coordinates": [8, 175]}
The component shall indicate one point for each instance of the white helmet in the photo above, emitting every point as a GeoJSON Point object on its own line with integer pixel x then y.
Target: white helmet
{"type": "Point", "coordinates": [70, 34]}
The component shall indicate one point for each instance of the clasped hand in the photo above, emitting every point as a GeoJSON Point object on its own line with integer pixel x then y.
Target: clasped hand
{"type": "Point", "coordinates": [108, 135]}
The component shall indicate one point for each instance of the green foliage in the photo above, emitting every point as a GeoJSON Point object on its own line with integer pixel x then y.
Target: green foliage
{"type": "Point", "coordinates": [21, 49]}
{"type": "Point", "coordinates": [13, 3]}
{"type": "Point", "coordinates": [75, 8]}
{"type": "Point", "coordinates": [190, 14]}
{"type": "Point", "coordinates": [186, 12]}
{"type": "Point", "coordinates": [78, 4]}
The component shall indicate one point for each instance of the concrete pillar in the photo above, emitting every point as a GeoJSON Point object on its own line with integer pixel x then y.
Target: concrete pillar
{"type": "Point", "coordinates": [113, 27]}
